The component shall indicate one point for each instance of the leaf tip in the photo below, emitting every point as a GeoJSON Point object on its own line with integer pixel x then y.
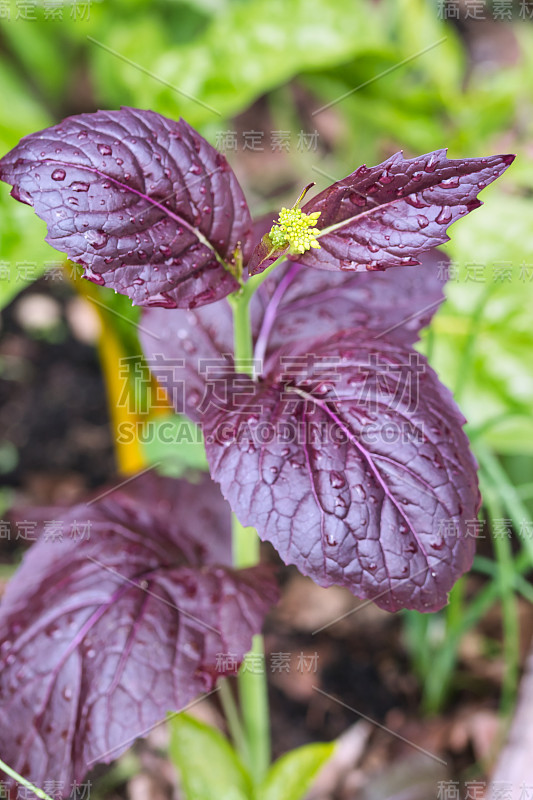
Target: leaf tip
{"type": "Point", "coordinates": [473, 204]}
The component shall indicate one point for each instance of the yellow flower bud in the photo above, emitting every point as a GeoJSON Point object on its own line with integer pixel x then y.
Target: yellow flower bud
{"type": "Point", "coordinates": [293, 228]}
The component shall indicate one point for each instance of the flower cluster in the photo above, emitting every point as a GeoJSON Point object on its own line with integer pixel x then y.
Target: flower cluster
{"type": "Point", "coordinates": [294, 228]}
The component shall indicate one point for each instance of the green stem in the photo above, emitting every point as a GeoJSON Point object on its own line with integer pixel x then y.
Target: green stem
{"type": "Point", "coordinates": [231, 713]}
{"type": "Point", "coordinates": [19, 779]}
{"type": "Point", "coordinates": [255, 281]}
{"type": "Point", "coordinates": [253, 693]}
{"type": "Point", "coordinates": [242, 334]}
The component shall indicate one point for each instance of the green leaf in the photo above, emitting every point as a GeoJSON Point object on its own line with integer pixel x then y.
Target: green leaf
{"type": "Point", "coordinates": [245, 50]}
{"type": "Point", "coordinates": [292, 775]}
{"type": "Point", "coordinates": [209, 767]}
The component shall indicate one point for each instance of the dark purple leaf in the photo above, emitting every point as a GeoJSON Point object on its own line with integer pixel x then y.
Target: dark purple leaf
{"type": "Point", "coordinates": [105, 631]}
{"type": "Point", "coordinates": [263, 255]}
{"type": "Point", "coordinates": [385, 216]}
{"type": "Point", "coordinates": [144, 203]}
{"type": "Point", "coordinates": [352, 461]}
{"type": "Point", "coordinates": [190, 349]}
{"type": "Point", "coordinates": [184, 348]}
{"type": "Point", "coordinates": [392, 432]}
{"type": "Point", "coordinates": [300, 303]}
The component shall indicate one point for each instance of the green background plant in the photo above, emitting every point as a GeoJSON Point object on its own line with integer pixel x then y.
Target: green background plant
{"type": "Point", "coordinates": [194, 744]}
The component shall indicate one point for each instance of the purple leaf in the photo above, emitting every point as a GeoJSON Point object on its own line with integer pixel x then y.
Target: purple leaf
{"type": "Point", "coordinates": [300, 303]}
{"type": "Point", "coordinates": [105, 631]}
{"type": "Point", "coordinates": [144, 203]}
{"type": "Point", "coordinates": [190, 352]}
{"type": "Point", "coordinates": [334, 507]}
{"type": "Point", "coordinates": [352, 461]}
{"type": "Point", "coordinates": [263, 255]}
{"type": "Point", "coordinates": [385, 216]}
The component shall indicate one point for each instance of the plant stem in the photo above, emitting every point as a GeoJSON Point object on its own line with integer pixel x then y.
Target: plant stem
{"type": "Point", "coordinates": [252, 683]}
{"type": "Point", "coordinates": [253, 692]}
{"type": "Point", "coordinates": [19, 779]}
{"type": "Point", "coordinates": [233, 719]}
{"type": "Point", "coordinates": [242, 334]}
{"type": "Point", "coordinates": [255, 281]}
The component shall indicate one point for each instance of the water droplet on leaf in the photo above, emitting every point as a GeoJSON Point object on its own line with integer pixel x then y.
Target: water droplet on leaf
{"type": "Point", "coordinates": [431, 165]}
{"type": "Point", "coordinates": [445, 215]}
{"type": "Point", "coordinates": [450, 183]}
{"type": "Point", "coordinates": [94, 277]}
{"type": "Point", "coordinates": [162, 300]}
{"type": "Point", "coordinates": [337, 480]}
{"type": "Point", "coordinates": [97, 239]}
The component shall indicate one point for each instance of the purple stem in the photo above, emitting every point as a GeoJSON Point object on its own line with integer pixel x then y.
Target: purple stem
{"type": "Point", "coordinates": [271, 311]}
